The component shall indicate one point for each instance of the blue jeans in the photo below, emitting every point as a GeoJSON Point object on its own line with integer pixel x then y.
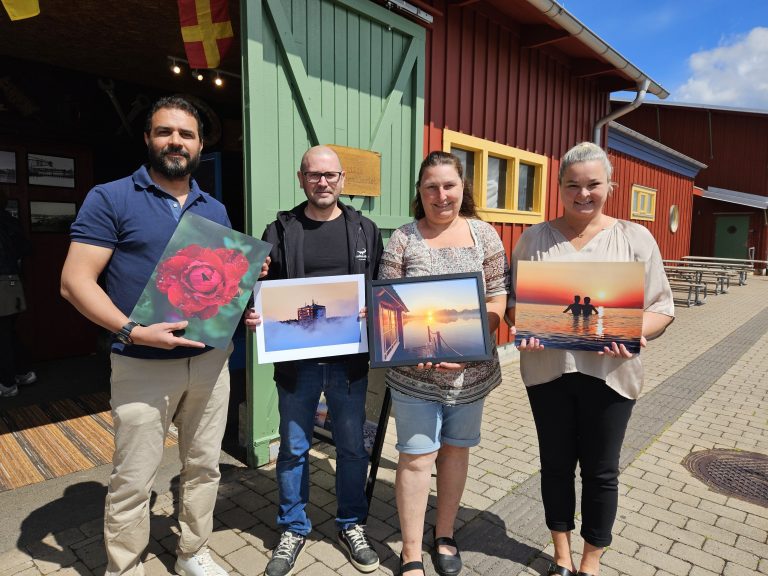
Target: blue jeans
{"type": "Point", "coordinates": [346, 405]}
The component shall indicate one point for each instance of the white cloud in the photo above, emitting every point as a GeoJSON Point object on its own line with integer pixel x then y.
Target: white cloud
{"type": "Point", "coordinates": [733, 74]}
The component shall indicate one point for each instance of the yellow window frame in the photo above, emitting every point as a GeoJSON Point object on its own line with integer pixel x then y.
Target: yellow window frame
{"type": "Point", "coordinates": [481, 149]}
{"type": "Point", "coordinates": [643, 203]}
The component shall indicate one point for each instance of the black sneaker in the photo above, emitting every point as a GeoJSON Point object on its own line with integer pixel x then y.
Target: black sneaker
{"type": "Point", "coordinates": [285, 555]}
{"type": "Point", "coordinates": [358, 548]}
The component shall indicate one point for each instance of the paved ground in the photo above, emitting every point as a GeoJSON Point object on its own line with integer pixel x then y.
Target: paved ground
{"type": "Point", "coordinates": [706, 387]}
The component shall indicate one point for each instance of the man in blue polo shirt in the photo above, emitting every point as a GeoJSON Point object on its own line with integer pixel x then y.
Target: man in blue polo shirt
{"type": "Point", "coordinates": [158, 377]}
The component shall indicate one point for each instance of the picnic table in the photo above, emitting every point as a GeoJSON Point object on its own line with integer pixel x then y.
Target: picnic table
{"type": "Point", "coordinates": [740, 265]}
{"type": "Point", "coordinates": [682, 270]}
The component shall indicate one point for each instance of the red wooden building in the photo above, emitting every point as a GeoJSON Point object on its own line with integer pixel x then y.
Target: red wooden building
{"type": "Point", "coordinates": [729, 217]}
{"type": "Point", "coordinates": [511, 85]}
{"type": "Point", "coordinates": [654, 187]}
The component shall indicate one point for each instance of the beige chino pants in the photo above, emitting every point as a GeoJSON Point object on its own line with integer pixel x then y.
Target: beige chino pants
{"type": "Point", "coordinates": [147, 395]}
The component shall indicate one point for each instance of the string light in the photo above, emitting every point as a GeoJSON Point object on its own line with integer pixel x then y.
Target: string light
{"type": "Point", "coordinates": [198, 74]}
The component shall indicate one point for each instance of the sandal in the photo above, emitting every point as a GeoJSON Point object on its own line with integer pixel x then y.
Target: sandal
{"type": "Point", "coordinates": [557, 570]}
{"type": "Point", "coordinates": [446, 564]}
{"type": "Point", "coordinates": [415, 565]}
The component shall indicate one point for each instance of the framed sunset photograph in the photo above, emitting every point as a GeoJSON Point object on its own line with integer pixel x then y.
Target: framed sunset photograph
{"type": "Point", "coordinates": [580, 305]}
{"type": "Point", "coordinates": [428, 319]}
{"type": "Point", "coordinates": [310, 317]}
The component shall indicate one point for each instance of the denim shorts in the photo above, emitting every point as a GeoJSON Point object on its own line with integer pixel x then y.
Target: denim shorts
{"type": "Point", "coordinates": [422, 426]}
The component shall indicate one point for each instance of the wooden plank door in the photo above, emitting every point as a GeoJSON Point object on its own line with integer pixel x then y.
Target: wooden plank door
{"type": "Point", "coordinates": [345, 72]}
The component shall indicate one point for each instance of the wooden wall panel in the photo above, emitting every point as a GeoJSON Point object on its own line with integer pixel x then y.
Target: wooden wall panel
{"type": "Point", "coordinates": [319, 71]}
{"type": "Point", "coordinates": [734, 146]}
{"type": "Point", "coordinates": [671, 189]}
{"type": "Point", "coordinates": [736, 154]}
{"type": "Point", "coordinates": [481, 82]}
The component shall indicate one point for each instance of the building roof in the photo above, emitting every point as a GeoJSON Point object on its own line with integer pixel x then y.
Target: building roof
{"type": "Point", "coordinates": [626, 140]}
{"type": "Point", "coordinates": [547, 25]}
{"type": "Point", "coordinates": [695, 106]}
{"type": "Point", "coordinates": [563, 19]}
{"type": "Point", "coordinates": [734, 197]}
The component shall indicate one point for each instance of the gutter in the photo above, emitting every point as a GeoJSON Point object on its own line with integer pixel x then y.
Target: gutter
{"type": "Point", "coordinates": [597, 132]}
{"type": "Point", "coordinates": [556, 13]}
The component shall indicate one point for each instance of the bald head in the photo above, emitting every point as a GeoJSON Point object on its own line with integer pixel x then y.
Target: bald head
{"type": "Point", "coordinates": [319, 153]}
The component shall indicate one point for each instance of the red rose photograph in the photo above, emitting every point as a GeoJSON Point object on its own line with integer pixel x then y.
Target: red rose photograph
{"type": "Point", "coordinates": [205, 276]}
{"type": "Point", "coordinates": [198, 280]}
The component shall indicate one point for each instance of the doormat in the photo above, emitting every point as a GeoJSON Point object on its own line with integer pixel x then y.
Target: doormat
{"type": "Point", "coordinates": [52, 439]}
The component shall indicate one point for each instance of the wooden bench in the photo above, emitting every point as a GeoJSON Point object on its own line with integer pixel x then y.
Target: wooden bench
{"type": "Point", "coordinates": [695, 292]}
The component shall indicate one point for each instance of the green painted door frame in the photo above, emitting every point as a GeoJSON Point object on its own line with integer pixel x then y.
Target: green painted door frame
{"type": "Point", "coordinates": [346, 72]}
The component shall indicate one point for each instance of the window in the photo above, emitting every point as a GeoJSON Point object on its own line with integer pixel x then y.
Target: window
{"type": "Point", "coordinates": [643, 203]}
{"type": "Point", "coordinates": [508, 184]}
{"type": "Point", "coordinates": [389, 336]}
{"type": "Point", "coordinates": [674, 218]}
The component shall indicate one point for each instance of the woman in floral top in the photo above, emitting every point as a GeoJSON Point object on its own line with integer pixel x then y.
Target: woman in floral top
{"type": "Point", "coordinates": [438, 408]}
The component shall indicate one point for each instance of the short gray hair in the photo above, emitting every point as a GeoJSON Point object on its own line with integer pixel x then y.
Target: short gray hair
{"type": "Point", "coordinates": [584, 152]}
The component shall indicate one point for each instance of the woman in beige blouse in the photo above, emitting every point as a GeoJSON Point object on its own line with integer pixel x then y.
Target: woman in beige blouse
{"type": "Point", "coordinates": [581, 401]}
{"type": "Point", "coordinates": [438, 408]}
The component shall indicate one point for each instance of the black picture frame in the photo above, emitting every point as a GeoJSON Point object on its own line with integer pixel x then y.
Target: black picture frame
{"type": "Point", "coordinates": [47, 170]}
{"type": "Point", "coordinates": [7, 167]}
{"type": "Point", "coordinates": [456, 306]}
{"type": "Point", "coordinates": [54, 217]}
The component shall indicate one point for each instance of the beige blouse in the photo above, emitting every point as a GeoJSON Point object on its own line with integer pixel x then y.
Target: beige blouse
{"type": "Point", "coordinates": [622, 242]}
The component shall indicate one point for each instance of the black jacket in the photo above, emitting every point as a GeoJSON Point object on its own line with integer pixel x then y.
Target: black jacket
{"type": "Point", "coordinates": [287, 238]}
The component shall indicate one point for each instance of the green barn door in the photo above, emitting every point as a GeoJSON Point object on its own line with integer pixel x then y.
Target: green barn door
{"type": "Point", "coordinates": [731, 234]}
{"type": "Point", "coordinates": [346, 72]}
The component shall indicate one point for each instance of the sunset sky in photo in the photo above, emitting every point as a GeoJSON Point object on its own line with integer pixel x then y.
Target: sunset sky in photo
{"type": "Point", "coordinates": [281, 302]}
{"type": "Point", "coordinates": [423, 297]}
{"type": "Point", "coordinates": [609, 284]}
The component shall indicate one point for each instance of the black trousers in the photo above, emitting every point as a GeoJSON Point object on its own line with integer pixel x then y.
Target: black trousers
{"type": "Point", "coordinates": [580, 419]}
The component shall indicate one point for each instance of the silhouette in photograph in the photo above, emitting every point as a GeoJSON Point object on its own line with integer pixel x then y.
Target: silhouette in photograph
{"type": "Point", "coordinates": [575, 307]}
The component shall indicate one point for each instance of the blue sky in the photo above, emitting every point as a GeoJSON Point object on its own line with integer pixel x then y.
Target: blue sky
{"type": "Point", "coordinates": [701, 51]}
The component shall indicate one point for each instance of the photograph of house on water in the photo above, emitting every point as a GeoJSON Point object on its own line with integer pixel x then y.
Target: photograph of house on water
{"type": "Point", "coordinates": [428, 320]}
{"type": "Point", "coordinates": [311, 317]}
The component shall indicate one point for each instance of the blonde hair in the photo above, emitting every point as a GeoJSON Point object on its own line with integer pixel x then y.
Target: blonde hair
{"type": "Point", "coordinates": [584, 152]}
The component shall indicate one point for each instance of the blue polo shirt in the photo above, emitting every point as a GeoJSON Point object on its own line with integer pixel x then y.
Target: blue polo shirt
{"type": "Point", "coordinates": [135, 218]}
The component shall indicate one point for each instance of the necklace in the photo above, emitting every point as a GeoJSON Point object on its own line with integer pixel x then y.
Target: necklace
{"type": "Point", "coordinates": [578, 234]}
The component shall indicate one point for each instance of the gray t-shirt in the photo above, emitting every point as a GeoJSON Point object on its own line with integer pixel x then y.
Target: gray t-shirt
{"type": "Point", "coordinates": [622, 242]}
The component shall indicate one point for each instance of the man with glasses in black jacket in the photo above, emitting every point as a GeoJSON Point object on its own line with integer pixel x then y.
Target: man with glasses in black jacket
{"type": "Point", "coordinates": [322, 237]}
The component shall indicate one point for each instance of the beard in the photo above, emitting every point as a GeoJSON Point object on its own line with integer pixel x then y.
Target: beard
{"type": "Point", "coordinates": [172, 168]}
{"type": "Point", "coordinates": [323, 202]}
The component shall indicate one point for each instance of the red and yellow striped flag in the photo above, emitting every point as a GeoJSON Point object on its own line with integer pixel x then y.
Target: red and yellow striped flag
{"type": "Point", "coordinates": [20, 9]}
{"type": "Point", "coordinates": [206, 30]}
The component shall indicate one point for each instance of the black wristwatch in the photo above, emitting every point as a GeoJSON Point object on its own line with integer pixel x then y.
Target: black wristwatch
{"type": "Point", "coordinates": [124, 334]}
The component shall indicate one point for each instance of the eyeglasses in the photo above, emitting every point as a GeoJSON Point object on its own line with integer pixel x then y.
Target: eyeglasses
{"type": "Point", "coordinates": [315, 177]}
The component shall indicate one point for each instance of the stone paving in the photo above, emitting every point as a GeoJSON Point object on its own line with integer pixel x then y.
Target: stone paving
{"type": "Point", "coordinates": [706, 387]}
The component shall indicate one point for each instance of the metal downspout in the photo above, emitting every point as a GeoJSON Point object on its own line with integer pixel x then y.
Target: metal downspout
{"type": "Point", "coordinates": [642, 88]}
